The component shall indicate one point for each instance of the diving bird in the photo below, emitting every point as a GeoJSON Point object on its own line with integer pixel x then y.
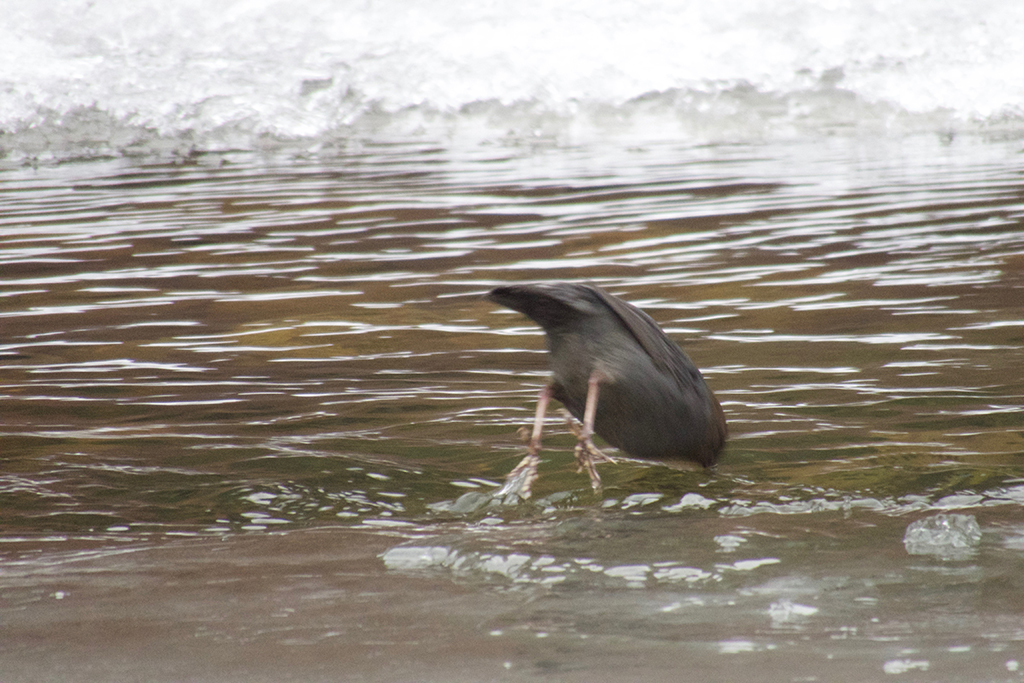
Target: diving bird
{"type": "Point", "coordinates": [620, 375]}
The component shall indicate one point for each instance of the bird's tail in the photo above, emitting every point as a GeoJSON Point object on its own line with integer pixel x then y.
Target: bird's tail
{"type": "Point", "coordinates": [548, 306]}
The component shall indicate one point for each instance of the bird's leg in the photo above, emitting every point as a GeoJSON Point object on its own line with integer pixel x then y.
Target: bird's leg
{"type": "Point", "coordinates": [521, 478]}
{"type": "Point", "coordinates": [586, 452]}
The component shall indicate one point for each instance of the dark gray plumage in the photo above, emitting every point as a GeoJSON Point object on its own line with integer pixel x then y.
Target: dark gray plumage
{"type": "Point", "coordinates": [649, 399]}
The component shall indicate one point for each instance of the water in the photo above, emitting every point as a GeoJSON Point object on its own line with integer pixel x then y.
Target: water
{"type": "Point", "coordinates": [245, 399]}
{"type": "Point", "coordinates": [254, 404]}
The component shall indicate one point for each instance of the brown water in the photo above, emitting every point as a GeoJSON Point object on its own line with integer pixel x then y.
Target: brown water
{"type": "Point", "coordinates": [252, 409]}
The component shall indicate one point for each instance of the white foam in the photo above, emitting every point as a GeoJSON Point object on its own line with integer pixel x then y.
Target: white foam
{"type": "Point", "coordinates": [145, 75]}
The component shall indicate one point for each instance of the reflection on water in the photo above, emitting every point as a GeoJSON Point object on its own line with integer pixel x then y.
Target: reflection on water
{"type": "Point", "coordinates": [234, 346]}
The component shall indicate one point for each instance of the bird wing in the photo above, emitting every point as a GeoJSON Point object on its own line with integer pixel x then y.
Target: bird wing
{"type": "Point", "coordinates": [664, 353]}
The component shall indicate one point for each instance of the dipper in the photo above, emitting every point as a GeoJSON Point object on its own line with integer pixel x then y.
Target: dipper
{"type": "Point", "coordinates": [620, 375]}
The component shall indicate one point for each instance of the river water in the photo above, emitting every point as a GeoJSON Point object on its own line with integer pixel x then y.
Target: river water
{"type": "Point", "coordinates": [253, 405]}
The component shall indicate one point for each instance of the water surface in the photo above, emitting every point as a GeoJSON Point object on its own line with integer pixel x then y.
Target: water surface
{"type": "Point", "coordinates": [253, 407]}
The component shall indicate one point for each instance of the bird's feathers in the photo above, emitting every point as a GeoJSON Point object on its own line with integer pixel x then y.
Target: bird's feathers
{"type": "Point", "coordinates": [552, 305]}
{"type": "Point", "coordinates": [663, 352]}
{"type": "Point", "coordinates": [567, 311]}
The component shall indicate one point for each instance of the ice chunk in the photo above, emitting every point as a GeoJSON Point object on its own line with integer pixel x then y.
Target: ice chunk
{"type": "Point", "coordinates": [690, 500]}
{"type": "Point", "coordinates": [902, 666]}
{"type": "Point", "coordinates": [786, 611]}
{"type": "Point", "coordinates": [950, 537]}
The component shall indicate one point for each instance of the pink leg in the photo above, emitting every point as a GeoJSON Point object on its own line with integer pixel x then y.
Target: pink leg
{"type": "Point", "coordinates": [586, 452]}
{"type": "Point", "coordinates": [543, 398]}
{"type": "Point", "coordinates": [521, 478]}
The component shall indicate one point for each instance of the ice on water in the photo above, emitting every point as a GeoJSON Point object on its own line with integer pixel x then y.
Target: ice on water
{"type": "Point", "coordinates": [947, 536]}
{"type": "Point", "coordinates": [91, 77]}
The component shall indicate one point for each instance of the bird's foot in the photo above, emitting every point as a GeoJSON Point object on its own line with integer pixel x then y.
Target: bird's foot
{"type": "Point", "coordinates": [587, 454]}
{"type": "Point", "coordinates": [520, 480]}
{"type": "Point", "coordinates": [587, 457]}
{"type": "Point", "coordinates": [584, 441]}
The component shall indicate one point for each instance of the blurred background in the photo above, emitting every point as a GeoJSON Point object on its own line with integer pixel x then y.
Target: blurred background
{"type": "Point", "coordinates": [107, 78]}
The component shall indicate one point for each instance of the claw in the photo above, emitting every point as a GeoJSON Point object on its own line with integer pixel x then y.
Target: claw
{"type": "Point", "coordinates": [520, 479]}
{"type": "Point", "coordinates": [587, 454]}
{"type": "Point", "coordinates": [585, 461]}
